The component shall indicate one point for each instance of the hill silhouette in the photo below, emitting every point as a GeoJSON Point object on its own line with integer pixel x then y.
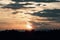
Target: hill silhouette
{"type": "Point", "coordinates": [29, 35]}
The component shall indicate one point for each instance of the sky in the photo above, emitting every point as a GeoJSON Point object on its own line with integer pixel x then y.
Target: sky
{"type": "Point", "coordinates": [43, 16]}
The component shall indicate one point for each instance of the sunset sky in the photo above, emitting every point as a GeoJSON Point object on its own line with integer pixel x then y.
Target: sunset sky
{"type": "Point", "coordinates": [29, 15]}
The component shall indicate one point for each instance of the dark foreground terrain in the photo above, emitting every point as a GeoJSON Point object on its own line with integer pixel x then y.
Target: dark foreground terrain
{"type": "Point", "coordinates": [32, 35]}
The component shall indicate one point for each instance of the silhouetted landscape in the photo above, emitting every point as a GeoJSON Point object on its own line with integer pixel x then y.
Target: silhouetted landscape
{"type": "Point", "coordinates": [29, 19]}
{"type": "Point", "coordinates": [33, 35]}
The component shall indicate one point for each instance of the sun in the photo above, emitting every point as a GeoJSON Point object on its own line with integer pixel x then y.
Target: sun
{"type": "Point", "coordinates": [26, 26]}
{"type": "Point", "coordinates": [29, 26]}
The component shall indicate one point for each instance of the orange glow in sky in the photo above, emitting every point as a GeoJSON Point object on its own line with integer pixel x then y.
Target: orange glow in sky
{"type": "Point", "coordinates": [29, 26]}
{"type": "Point", "coordinates": [26, 26]}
